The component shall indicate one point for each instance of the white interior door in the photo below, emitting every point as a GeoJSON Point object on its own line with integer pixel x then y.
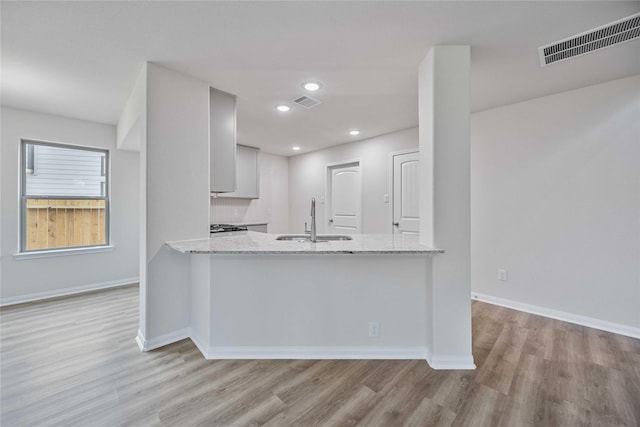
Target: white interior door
{"type": "Point", "coordinates": [406, 195]}
{"type": "Point", "coordinates": [343, 199]}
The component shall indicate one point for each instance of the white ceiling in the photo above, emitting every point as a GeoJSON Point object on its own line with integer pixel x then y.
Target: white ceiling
{"type": "Point", "coordinates": [80, 59]}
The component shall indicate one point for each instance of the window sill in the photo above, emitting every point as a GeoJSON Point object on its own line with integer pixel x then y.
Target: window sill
{"type": "Point", "coordinates": [62, 252]}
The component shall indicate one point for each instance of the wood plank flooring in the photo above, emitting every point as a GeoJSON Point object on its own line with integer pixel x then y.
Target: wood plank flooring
{"type": "Point", "coordinates": [74, 362]}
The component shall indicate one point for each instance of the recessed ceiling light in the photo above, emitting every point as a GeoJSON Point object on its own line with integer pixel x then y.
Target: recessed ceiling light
{"type": "Point", "coordinates": [296, 148]}
{"type": "Point", "coordinates": [311, 86]}
{"type": "Point", "coordinates": [283, 108]}
{"type": "Point", "coordinates": [354, 132]}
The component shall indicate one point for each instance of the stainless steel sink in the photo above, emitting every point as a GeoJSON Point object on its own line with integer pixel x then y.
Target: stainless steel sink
{"type": "Point", "coordinates": [334, 237]}
{"type": "Point", "coordinates": [307, 238]}
{"type": "Point", "coordinates": [295, 238]}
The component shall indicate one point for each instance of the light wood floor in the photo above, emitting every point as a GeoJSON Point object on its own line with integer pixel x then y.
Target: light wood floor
{"type": "Point", "coordinates": [74, 362]}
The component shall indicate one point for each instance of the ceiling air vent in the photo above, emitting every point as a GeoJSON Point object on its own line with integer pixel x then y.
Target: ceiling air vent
{"type": "Point", "coordinates": [306, 101]}
{"type": "Point", "coordinates": [611, 34]}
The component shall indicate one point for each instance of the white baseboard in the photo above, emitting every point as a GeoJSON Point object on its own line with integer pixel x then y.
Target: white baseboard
{"type": "Point", "coordinates": [198, 342]}
{"type": "Point", "coordinates": [285, 352]}
{"type": "Point", "coordinates": [590, 322]}
{"type": "Point", "coordinates": [166, 339]}
{"type": "Point", "coordinates": [142, 342]}
{"type": "Point", "coordinates": [315, 352]}
{"type": "Point", "coordinates": [67, 291]}
{"type": "Point", "coordinates": [451, 362]}
{"type": "Point", "coordinates": [312, 352]}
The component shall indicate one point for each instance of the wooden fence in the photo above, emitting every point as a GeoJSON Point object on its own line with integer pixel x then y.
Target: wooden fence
{"type": "Point", "coordinates": [64, 223]}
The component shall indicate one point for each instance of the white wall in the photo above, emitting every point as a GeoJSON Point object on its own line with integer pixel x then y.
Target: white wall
{"type": "Point", "coordinates": [556, 202]}
{"type": "Point", "coordinates": [175, 194]}
{"type": "Point", "coordinates": [273, 205]}
{"type": "Point", "coordinates": [307, 175]}
{"type": "Point", "coordinates": [32, 278]}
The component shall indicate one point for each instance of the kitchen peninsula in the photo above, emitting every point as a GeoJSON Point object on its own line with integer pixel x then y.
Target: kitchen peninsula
{"type": "Point", "coordinates": [337, 299]}
{"type": "Point", "coordinates": [253, 296]}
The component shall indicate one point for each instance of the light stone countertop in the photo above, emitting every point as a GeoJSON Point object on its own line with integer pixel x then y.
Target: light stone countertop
{"type": "Point", "coordinates": [237, 223]}
{"type": "Point", "coordinates": [250, 242]}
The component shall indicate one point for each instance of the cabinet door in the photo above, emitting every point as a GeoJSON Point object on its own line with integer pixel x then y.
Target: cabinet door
{"type": "Point", "coordinates": [222, 144]}
{"type": "Point", "coordinates": [247, 174]}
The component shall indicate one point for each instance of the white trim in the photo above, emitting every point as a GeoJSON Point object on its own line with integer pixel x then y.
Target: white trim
{"type": "Point", "coordinates": [199, 343]}
{"type": "Point", "coordinates": [166, 339]}
{"type": "Point", "coordinates": [577, 319]}
{"type": "Point", "coordinates": [343, 162]}
{"type": "Point", "coordinates": [311, 352]}
{"type": "Point", "coordinates": [142, 342]}
{"type": "Point", "coordinates": [67, 291]}
{"type": "Point", "coordinates": [450, 362]}
{"type": "Point", "coordinates": [405, 151]}
{"type": "Point", "coordinates": [62, 252]}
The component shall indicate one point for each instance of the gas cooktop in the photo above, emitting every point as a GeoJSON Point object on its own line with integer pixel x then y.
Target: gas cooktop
{"type": "Point", "coordinates": [223, 228]}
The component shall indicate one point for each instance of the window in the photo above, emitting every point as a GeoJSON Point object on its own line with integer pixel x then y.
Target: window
{"type": "Point", "coordinates": [65, 204]}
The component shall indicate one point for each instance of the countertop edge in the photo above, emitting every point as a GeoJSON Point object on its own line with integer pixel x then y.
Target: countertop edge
{"type": "Point", "coordinates": [303, 252]}
{"type": "Point", "coordinates": [382, 246]}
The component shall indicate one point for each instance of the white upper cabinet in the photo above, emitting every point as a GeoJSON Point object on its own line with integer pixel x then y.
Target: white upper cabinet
{"type": "Point", "coordinates": [247, 174]}
{"type": "Point", "coordinates": [222, 134]}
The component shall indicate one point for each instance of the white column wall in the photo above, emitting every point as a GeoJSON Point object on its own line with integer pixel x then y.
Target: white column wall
{"type": "Point", "coordinates": [176, 197]}
{"type": "Point", "coordinates": [445, 199]}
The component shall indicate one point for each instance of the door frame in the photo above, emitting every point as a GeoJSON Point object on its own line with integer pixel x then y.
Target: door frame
{"type": "Point", "coordinates": [327, 191]}
{"type": "Point", "coordinates": [391, 186]}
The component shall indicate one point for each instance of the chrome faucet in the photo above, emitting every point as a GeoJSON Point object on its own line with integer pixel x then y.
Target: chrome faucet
{"type": "Point", "coordinates": [314, 236]}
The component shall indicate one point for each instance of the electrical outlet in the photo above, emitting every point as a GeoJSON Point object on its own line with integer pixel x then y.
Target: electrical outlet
{"type": "Point", "coordinates": [385, 198]}
{"type": "Point", "coordinates": [374, 329]}
{"type": "Point", "coordinates": [502, 275]}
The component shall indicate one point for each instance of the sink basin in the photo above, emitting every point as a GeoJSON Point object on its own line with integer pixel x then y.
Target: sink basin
{"type": "Point", "coordinates": [295, 238]}
{"type": "Point", "coordinates": [334, 237]}
{"type": "Point", "coordinates": [307, 238]}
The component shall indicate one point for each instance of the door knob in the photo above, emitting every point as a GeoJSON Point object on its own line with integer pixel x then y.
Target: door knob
{"type": "Point", "coordinates": [330, 221]}
{"type": "Point", "coordinates": [396, 224]}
